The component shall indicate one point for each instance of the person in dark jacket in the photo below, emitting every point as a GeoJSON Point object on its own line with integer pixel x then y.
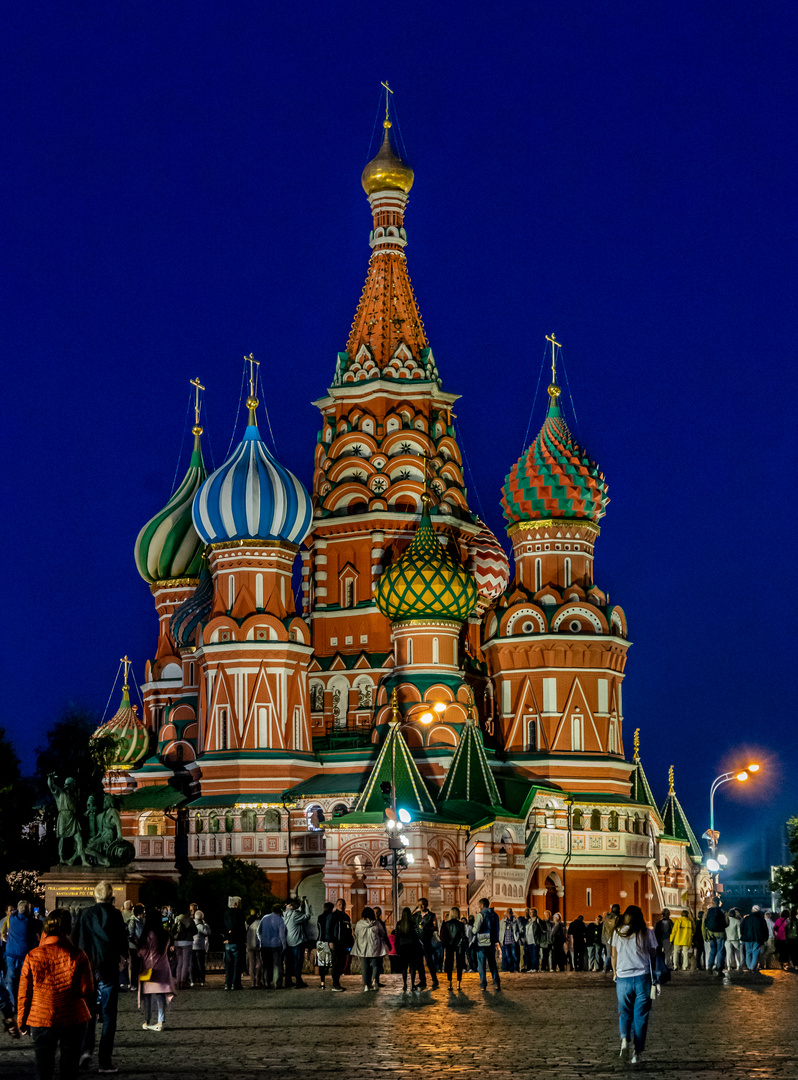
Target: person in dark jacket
{"type": "Point", "coordinates": [235, 943]}
{"type": "Point", "coordinates": [715, 931]}
{"type": "Point", "coordinates": [323, 943]}
{"type": "Point", "coordinates": [101, 933]}
{"type": "Point", "coordinates": [753, 934]}
{"type": "Point", "coordinates": [486, 931]}
{"type": "Point", "coordinates": [342, 941]}
{"type": "Point", "coordinates": [426, 927]}
{"type": "Point", "coordinates": [453, 939]}
{"type": "Point", "coordinates": [576, 932]}
{"type": "Point", "coordinates": [409, 952]}
{"type": "Point", "coordinates": [22, 935]}
{"type": "Point", "coordinates": [184, 930]}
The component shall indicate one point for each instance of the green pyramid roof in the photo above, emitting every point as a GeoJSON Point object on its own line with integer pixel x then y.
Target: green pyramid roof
{"type": "Point", "coordinates": [469, 778]}
{"type": "Point", "coordinates": [675, 823]}
{"type": "Point", "coordinates": [641, 791]}
{"type": "Point", "coordinates": [396, 762]}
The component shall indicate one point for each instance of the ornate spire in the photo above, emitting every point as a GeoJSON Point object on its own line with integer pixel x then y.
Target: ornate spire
{"type": "Point", "coordinates": [675, 823]}
{"type": "Point", "coordinates": [637, 745]}
{"type": "Point", "coordinates": [396, 765]}
{"type": "Point", "coordinates": [469, 778]}
{"type": "Point", "coordinates": [252, 401]}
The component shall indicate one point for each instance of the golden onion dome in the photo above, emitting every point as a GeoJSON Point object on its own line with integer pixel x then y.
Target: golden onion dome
{"type": "Point", "coordinates": [386, 172]}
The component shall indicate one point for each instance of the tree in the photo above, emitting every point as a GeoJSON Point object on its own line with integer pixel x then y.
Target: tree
{"type": "Point", "coordinates": [211, 889]}
{"type": "Point", "coordinates": [785, 879]}
{"type": "Point", "coordinates": [16, 810]}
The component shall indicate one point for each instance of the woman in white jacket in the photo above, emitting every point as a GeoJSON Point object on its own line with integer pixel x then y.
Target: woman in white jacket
{"type": "Point", "coordinates": [371, 942]}
{"type": "Point", "coordinates": [199, 948]}
{"type": "Point", "coordinates": [734, 948]}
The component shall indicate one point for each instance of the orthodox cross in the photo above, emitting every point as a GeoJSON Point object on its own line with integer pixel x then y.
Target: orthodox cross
{"type": "Point", "coordinates": [128, 663]}
{"type": "Point", "coordinates": [387, 122]}
{"type": "Point", "coordinates": [394, 706]}
{"type": "Point", "coordinates": [252, 401]}
{"type": "Point", "coordinates": [197, 387]}
{"type": "Point", "coordinates": [554, 345]}
{"type": "Point", "coordinates": [637, 744]}
{"type": "Point", "coordinates": [670, 781]}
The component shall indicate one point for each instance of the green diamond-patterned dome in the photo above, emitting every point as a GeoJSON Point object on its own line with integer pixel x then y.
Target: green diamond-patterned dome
{"type": "Point", "coordinates": [426, 583]}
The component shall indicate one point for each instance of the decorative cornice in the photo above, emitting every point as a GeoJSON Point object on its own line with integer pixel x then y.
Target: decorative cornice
{"type": "Point", "coordinates": [448, 623]}
{"type": "Point", "coordinates": [549, 523]}
{"type": "Point", "coordinates": [174, 583]}
{"type": "Point", "coordinates": [254, 543]}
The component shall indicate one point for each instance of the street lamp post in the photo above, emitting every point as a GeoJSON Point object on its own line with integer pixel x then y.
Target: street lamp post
{"type": "Point", "coordinates": [741, 775]}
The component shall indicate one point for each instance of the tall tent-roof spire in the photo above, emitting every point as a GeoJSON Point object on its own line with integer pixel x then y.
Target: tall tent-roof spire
{"type": "Point", "coordinates": [641, 789]}
{"type": "Point", "coordinates": [469, 778]}
{"type": "Point", "coordinates": [674, 820]}
{"type": "Point", "coordinates": [395, 765]}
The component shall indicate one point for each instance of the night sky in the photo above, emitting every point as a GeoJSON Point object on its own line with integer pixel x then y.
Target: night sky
{"type": "Point", "coordinates": [182, 187]}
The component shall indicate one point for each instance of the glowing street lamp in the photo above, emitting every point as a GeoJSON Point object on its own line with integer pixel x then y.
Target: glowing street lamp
{"type": "Point", "coordinates": [741, 776]}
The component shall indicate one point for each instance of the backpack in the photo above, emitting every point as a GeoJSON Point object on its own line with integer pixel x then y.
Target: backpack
{"type": "Point", "coordinates": [715, 920]}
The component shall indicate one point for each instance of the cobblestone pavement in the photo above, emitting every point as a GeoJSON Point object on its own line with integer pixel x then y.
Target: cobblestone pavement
{"type": "Point", "coordinates": [552, 1026]}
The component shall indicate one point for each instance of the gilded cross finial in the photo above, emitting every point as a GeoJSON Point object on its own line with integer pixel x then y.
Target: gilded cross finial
{"type": "Point", "coordinates": [394, 706]}
{"type": "Point", "coordinates": [470, 712]}
{"type": "Point", "coordinates": [197, 430]}
{"type": "Point", "coordinates": [252, 401]}
{"type": "Point", "coordinates": [637, 744]}
{"type": "Point", "coordinates": [124, 660]}
{"type": "Point", "coordinates": [387, 121]}
{"type": "Point", "coordinates": [671, 790]}
{"type": "Point", "coordinates": [554, 390]}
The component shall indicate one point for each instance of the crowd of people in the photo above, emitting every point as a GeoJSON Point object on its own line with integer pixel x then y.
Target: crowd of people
{"type": "Point", "coordinates": [61, 978]}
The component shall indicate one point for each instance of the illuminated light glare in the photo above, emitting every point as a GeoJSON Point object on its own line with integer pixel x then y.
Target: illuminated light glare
{"type": "Point", "coordinates": [426, 718]}
{"type": "Point", "coordinates": [713, 866]}
{"type": "Point", "coordinates": [403, 839]}
{"type": "Point", "coordinates": [439, 706]}
{"type": "Point", "coordinates": [410, 857]}
{"type": "Point", "coordinates": [390, 824]}
{"type": "Point", "coordinates": [404, 815]}
{"type": "Point", "coordinates": [742, 776]}
{"type": "Point", "coordinates": [753, 768]}
{"type": "Point", "coordinates": [722, 860]}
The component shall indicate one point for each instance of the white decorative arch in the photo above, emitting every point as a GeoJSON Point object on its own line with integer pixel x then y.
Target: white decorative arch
{"type": "Point", "coordinates": [580, 612]}
{"type": "Point", "coordinates": [523, 615]}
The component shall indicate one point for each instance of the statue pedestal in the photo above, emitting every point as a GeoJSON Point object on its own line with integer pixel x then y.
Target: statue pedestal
{"type": "Point", "coordinates": [73, 886]}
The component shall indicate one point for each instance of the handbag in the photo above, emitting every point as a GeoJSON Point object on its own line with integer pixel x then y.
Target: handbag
{"type": "Point", "coordinates": [145, 976]}
{"type": "Point", "coordinates": [323, 954]}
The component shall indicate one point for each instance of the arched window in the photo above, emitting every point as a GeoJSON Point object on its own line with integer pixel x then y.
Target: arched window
{"type": "Point", "coordinates": [538, 575]}
{"type": "Point", "coordinates": [595, 821]}
{"type": "Point", "coordinates": [259, 590]}
{"type": "Point", "coordinates": [190, 674]}
{"type": "Point", "coordinates": [614, 821]}
{"type": "Point", "coordinates": [231, 591]}
{"type": "Point", "coordinates": [531, 735]}
{"type": "Point", "coordinates": [249, 821]}
{"type": "Point", "coordinates": [410, 650]}
{"type": "Point", "coordinates": [223, 729]}
{"type": "Point", "coordinates": [577, 732]}
{"type": "Point", "coordinates": [198, 824]}
{"type": "Point", "coordinates": [567, 572]}
{"type": "Point", "coordinates": [435, 651]}
{"type": "Point", "coordinates": [576, 819]}
{"type": "Point", "coordinates": [454, 651]}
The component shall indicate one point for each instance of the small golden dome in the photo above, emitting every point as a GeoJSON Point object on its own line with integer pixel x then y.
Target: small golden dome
{"type": "Point", "coordinates": [386, 172]}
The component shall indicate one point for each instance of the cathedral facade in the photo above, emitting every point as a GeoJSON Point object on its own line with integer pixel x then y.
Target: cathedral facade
{"type": "Point", "coordinates": [420, 673]}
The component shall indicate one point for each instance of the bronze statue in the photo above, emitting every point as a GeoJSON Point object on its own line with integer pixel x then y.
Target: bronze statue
{"type": "Point", "coordinates": [68, 824]}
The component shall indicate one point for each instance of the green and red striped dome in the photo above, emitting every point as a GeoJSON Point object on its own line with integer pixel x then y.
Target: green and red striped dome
{"type": "Point", "coordinates": [554, 478]}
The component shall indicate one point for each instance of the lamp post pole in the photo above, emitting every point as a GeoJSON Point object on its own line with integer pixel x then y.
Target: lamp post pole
{"type": "Point", "coordinates": [722, 779]}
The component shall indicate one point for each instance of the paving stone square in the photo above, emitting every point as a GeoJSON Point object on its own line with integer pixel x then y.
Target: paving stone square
{"type": "Point", "coordinates": [549, 1026]}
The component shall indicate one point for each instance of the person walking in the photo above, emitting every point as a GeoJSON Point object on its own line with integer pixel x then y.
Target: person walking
{"type": "Point", "coordinates": [296, 925]}
{"type": "Point", "coordinates": [593, 946]}
{"type": "Point", "coordinates": [662, 932]}
{"type": "Point", "coordinates": [254, 960]}
{"type": "Point", "coordinates": [199, 948]}
{"type": "Point", "coordinates": [634, 952]}
{"type": "Point", "coordinates": [235, 943]}
{"type": "Point", "coordinates": [607, 930]}
{"type": "Point", "coordinates": [557, 942]}
{"type": "Point", "coordinates": [734, 948]}
{"type": "Point", "coordinates": [272, 937]}
{"type": "Point", "coordinates": [22, 935]}
{"type": "Point", "coordinates": [753, 936]}
{"type": "Point", "coordinates": [453, 938]}
{"type": "Point", "coordinates": [715, 933]}
{"type": "Point", "coordinates": [323, 943]}
{"type": "Point", "coordinates": [184, 930]}
{"type": "Point", "coordinates": [342, 941]}
{"type": "Point", "coordinates": [380, 959]}
{"type": "Point", "coordinates": [409, 952]}
{"type": "Point", "coordinates": [101, 933]}
{"type": "Point", "coordinates": [576, 939]}
{"type": "Point", "coordinates": [426, 927]}
{"type": "Point", "coordinates": [682, 940]}
{"type": "Point", "coordinates": [486, 930]}
{"type": "Point", "coordinates": [135, 926]}
{"type": "Point", "coordinates": [370, 942]}
{"type": "Point", "coordinates": [156, 986]}
{"type": "Point", "coordinates": [56, 988]}
{"type": "Point", "coordinates": [509, 932]}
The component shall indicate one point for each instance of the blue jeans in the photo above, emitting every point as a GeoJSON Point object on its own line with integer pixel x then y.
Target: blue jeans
{"type": "Point", "coordinates": [368, 967]}
{"type": "Point", "coordinates": [46, 1041]}
{"type": "Point", "coordinates": [429, 956]}
{"type": "Point", "coordinates": [154, 1008]}
{"type": "Point", "coordinates": [13, 972]}
{"type": "Point", "coordinates": [752, 950]}
{"type": "Point", "coordinates": [487, 954]}
{"type": "Point", "coordinates": [232, 966]}
{"type": "Point", "coordinates": [717, 947]}
{"type": "Point", "coordinates": [634, 1005]}
{"type": "Point", "coordinates": [510, 956]}
{"type": "Point", "coordinates": [104, 1010]}
{"type": "Point", "coordinates": [533, 957]}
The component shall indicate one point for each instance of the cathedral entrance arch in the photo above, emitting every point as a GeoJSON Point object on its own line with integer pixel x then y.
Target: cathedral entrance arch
{"type": "Point", "coordinates": [552, 899]}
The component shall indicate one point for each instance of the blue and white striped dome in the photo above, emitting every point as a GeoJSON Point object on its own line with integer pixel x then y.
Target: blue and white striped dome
{"type": "Point", "coordinates": [252, 497]}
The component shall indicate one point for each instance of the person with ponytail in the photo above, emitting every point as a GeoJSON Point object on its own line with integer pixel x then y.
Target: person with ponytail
{"type": "Point", "coordinates": [634, 951]}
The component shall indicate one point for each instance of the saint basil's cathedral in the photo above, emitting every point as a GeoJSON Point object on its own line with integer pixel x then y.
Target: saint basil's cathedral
{"type": "Point", "coordinates": [489, 701]}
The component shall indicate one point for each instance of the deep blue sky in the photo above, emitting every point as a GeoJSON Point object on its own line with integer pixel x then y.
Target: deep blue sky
{"type": "Point", "coordinates": [181, 187]}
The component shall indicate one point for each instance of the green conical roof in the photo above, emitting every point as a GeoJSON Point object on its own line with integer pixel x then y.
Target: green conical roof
{"type": "Point", "coordinates": [469, 778]}
{"type": "Point", "coordinates": [675, 823]}
{"type": "Point", "coordinates": [641, 790]}
{"type": "Point", "coordinates": [396, 762]}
